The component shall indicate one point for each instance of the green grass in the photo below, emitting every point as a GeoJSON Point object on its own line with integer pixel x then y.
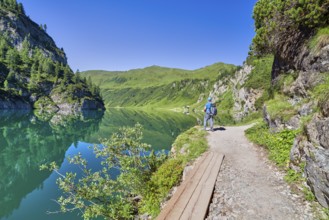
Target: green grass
{"type": "Point", "coordinates": [153, 76]}
{"type": "Point", "coordinates": [321, 92]}
{"type": "Point", "coordinates": [278, 144]}
{"type": "Point", "coordinates": [279, 107]}
{"type": "Point", "coordinates": [158, 86]}
{"type": "Point", "coordinates": [320, 39]}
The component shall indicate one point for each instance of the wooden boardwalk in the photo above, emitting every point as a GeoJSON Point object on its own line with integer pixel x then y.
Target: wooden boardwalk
{"type": "Point", "coordinates": [192, 198]}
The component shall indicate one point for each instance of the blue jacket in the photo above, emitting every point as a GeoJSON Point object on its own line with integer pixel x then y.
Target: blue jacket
{"type": "Point", "coordinates": [208, 106]}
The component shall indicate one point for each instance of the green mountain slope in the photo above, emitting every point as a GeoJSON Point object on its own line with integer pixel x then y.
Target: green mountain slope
{"type": "Point", "coordinates": [157, 86]}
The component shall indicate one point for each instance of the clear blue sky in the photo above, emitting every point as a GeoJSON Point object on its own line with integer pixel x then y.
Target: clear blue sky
{"type": "Point", "coordinates": [129, 34]}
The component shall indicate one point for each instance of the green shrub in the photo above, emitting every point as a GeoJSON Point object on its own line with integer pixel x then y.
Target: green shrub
{"type": "Point", "coordinates": [170, 172]}
{"type": "Point", "coordinates": [278, 144]}
{"type": "Point", "coordinates": [167, 176]}
{"type": "Point", "coordinates": [275, 19]}
{"type": "Point", "coordinates": [292, 176]}
{"type": "Point", "coordinates": [308, 194]}
{"type": "Point", "coordinates": [279, 107]}
{"type": "Point", "coordinates": [260, 76]}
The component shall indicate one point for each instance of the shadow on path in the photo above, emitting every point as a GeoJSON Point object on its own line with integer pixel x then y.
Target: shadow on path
{"type": "Point", "coordinates": [219, 129]}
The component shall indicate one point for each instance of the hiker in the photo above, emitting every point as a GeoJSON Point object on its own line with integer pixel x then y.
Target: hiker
{"type": "Point", "coordinates": [208, 116]}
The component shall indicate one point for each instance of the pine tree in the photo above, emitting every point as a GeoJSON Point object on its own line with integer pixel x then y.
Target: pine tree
{"type": "Point", "coordinates": [25, 54]}
{"type": "Point", "coordinates": [21, 9]}
{"type": "Point", "coordinates": [3, 48]}
{"type": "Point", "coordinates": [77, 77]}
{"type": "Point", "coordinates": [13, 59]}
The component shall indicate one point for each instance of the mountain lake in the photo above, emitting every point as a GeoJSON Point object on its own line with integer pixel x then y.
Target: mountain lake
{"type": "Point", "coordinates": [28, 140]}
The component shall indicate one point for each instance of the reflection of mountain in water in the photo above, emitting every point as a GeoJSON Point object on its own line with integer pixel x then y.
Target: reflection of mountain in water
{"type": "Point", "coordinates": [160, 128]}
{"type": "Point", "coordinates": [26, 142]}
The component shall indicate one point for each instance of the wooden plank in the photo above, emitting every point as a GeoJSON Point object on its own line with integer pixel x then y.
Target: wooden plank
{"type": "Point", "coordinates": [202, 202]}
{"type": "Point", "coordinates": [189, 210]}
{"type": "Point", "coordinates": [192, 179]}
{"type": "Point", "coordinates": [183, 201]}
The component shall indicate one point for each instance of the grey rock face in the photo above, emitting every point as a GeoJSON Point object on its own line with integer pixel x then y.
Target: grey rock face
{"type": "Point", "coordinates": [244, 99]}
{"type": "Point", "coordinates": [66, 107]}
{"type": "Point", "coordinates": [19, 26]}
{"type": "Point", "coordinates": [317, 173]}
{"type": "Point", "coordinates": [315, 61]}
{"type": "Point", "coordinates": [324, 106]}
{"type": "Point", "coordinates": [306, 109]}
{"type": "Point", "coordinates": [318, 131]}
{"type": "Point", "coordinates": [314, 150]}
{"type": "Point", "coordinates": [304, 82]}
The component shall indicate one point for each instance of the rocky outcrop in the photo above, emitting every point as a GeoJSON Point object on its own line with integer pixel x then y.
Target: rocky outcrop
{"type": "Point", "coordinates": [244, 99]}
{"type": "Point", "coordinates": [313, 150]}
{"type": "Point", "coordinates": [19, 26]}
{"type": "Point", "coordinates": [304, 82]}
{"type": "Point", "coordinates": [312, 147]}
{"type": "Point", "coordinates": [244, 102]}
{"type": "Point", "coordinates": [69, 107]}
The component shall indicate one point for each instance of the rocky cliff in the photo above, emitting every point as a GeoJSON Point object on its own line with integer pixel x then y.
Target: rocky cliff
{"type": "Point", "coordinates": [308, 94]}
{"type": "Point", "coordinates": [34, 72]}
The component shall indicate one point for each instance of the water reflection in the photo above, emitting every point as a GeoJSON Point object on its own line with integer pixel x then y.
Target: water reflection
{"type": "Point", "coordinates": [160, 128]}
{"type": "Point", "coordinates": [28, 140]}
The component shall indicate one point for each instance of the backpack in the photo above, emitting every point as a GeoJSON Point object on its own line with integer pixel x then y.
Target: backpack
{"type": "Point", "coordinates": [213, 110]}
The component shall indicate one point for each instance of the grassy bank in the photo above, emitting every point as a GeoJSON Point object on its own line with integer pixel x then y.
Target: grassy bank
{"type": "Point", "coordinates": [188, 146]}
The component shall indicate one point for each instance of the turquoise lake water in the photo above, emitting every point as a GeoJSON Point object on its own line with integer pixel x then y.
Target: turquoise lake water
{"type": "Point", "coordinates": [28, 140]}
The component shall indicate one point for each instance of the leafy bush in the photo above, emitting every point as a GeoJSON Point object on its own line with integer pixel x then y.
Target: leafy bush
{"type": "Point", "coordinates": [260, 76]}
{"type": "Point", "coordinates": [275, 18]}
{"type": "Point", "coordinates": [97, 193]}
{"type": "Point", "coordinates": [162, 181]}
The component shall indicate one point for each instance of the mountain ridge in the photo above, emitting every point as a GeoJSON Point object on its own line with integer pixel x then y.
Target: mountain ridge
{"type": "Point", "coordinates": [152, 81]}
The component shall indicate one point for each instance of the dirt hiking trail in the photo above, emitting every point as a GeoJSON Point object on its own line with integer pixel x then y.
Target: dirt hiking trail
{"type": "Point", "coordinates": [248, 185]}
